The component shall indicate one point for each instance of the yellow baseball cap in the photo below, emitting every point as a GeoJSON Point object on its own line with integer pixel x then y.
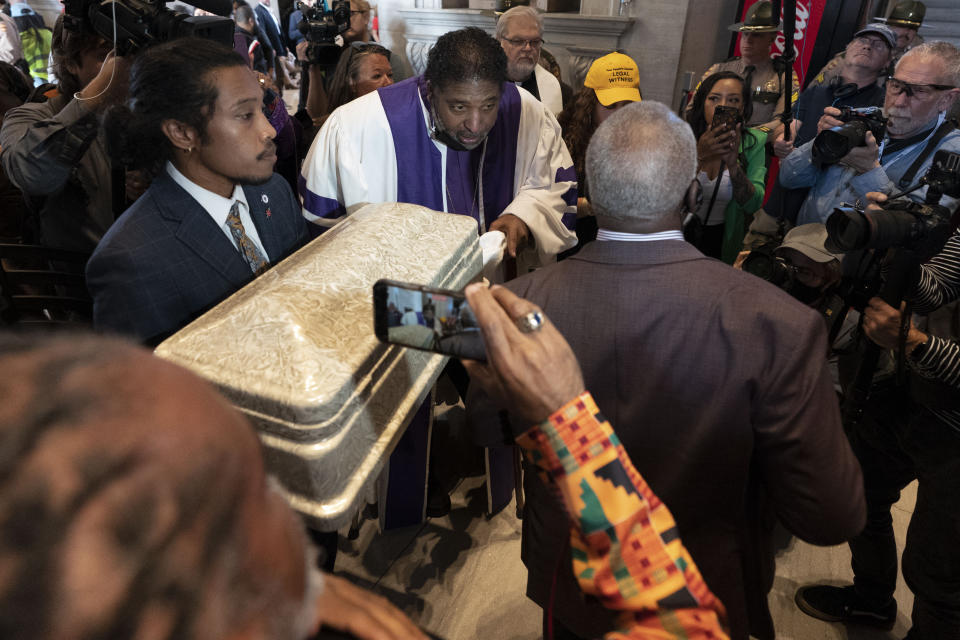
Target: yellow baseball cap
{"type": "Point", "coordinates": [614, 78]}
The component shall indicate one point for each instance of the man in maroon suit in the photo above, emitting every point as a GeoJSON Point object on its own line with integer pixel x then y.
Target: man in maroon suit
{"type": "Point", "coordinates": [716, 380]}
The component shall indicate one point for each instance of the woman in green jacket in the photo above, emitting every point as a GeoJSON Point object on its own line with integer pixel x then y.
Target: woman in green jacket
{"type": "Point", "coordinates": [731, 164]}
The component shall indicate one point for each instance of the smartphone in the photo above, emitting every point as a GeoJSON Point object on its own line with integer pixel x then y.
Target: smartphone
{"type": "Point", "coordinates": [723, 115]}
{"type": "Point", "coordinates": [426, 318]}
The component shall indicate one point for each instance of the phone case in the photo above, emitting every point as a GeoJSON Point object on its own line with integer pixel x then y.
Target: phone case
{"type": "Point", "coordinates": [295, 351]}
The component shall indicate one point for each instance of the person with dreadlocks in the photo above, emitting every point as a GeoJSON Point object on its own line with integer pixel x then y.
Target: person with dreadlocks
{"type": "Point", "coordinates": [215, 215]}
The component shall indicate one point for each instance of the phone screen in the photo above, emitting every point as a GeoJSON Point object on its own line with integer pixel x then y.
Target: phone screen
{"type": "Point", "coordinates": [426, 318]}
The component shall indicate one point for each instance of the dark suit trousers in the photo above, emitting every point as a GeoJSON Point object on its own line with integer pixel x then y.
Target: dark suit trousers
{"type": "Point", "coordinates": [556, 631]}
{"type": "Point", "coordinates": [897, 442]}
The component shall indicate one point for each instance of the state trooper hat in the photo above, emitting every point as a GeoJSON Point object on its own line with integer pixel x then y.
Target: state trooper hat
{"type": "Point", "coordinates": [908, 13]}
{"type": "Point", "coordinates": [759, 19]}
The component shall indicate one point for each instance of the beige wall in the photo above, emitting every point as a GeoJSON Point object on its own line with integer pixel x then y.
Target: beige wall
{"type": "Point", "coordinates": [668, 37]}
{"type": "Point", "coordinates": [392, 29]}
{"type": "Point", "coordinates": [705, 37]}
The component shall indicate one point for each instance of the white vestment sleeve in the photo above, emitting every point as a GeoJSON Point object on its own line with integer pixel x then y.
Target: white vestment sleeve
{"type": "Point", "coordinates": [351, 163]}
{"type": "Point", "coordinates": [544, 181]}
{"type": "Point", "coordinates": [320, 194]}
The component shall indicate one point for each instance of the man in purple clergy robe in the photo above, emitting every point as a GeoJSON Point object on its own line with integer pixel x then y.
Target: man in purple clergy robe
{"type": "Point", "coordinates": [459, 139]}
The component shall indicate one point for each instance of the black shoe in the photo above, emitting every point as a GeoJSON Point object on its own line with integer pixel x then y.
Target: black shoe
{"type": "Point", "coordinates": [842, 604]}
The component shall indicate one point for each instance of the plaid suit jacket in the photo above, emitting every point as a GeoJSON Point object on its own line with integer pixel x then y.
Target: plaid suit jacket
{"type": "Point", "coordinates": [165, 261]}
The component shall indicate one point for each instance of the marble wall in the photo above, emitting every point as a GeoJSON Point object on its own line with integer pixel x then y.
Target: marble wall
{"type": "Point", "coordinates": [666, 38]}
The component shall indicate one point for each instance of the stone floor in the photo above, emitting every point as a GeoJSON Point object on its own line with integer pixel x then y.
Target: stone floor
{"type": "Point", "coordinates": [461, 577]}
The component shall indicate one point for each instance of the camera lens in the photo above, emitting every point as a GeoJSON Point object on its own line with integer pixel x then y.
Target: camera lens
{"type": "Point", "coordinates": [847, 230]}
{"type": "Point", "coordinates": [831, 145]}
{"type": "Point", "coordinates": [768, 267]}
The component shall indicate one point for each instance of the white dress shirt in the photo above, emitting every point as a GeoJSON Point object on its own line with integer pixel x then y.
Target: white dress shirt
{"type": "Point", "coordinates": [219, 207]}
{"type": "Point", "coordinates": [605, 235]}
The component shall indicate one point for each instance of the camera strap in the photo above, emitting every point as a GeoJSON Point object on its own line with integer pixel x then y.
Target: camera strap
{"type": "Point", "coordinates": [932, 144]}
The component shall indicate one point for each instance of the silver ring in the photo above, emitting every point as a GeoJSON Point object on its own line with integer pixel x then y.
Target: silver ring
{"type": "Point", "coordinates": [530, 322]}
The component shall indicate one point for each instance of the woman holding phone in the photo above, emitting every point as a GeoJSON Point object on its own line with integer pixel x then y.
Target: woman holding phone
{"type": "Point", "coordinates": [732, 164]}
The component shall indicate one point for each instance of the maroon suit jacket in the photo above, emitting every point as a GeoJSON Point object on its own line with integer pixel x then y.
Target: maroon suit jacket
{"type": "Point", "coordinates": [716, 382]}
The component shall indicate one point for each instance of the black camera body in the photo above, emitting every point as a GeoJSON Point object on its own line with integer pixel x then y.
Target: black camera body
{"type": "Point", "coordinates": [134, 24]}
{"type": "Point", "coordinates": [321, 28]}
{"type": "Point", "coordinates": [920, 227]}
{"type": "Point", "coordinates": [766, 265]}
{"type": "Point", "coordinates": [833, 144]}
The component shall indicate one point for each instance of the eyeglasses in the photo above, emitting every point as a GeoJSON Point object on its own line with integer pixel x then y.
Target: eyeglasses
{"type": "Point", "coordinates": [876, 44]}
{"type": "Point", "coordinates": [520, 43]}
{"type": "Point", "coordinates": [921, 91]}
{"type": "Point", "coordinates": [803, 275]}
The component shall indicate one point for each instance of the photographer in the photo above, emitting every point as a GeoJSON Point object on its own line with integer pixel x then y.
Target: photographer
{"type": "Point", "coordinates": [907, 433]}
{"type": "Point", "coordinates": [918, 96]}
{"type": "Point", "coordinates": [859, 82]}
{"type": "Point", "coordinates": [801, 266]}
{"type": "Point", "coordinates": [54, 151]}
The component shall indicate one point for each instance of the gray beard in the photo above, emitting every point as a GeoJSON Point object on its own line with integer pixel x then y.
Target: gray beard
{"type": "Point", "coordinates": [520, 71]}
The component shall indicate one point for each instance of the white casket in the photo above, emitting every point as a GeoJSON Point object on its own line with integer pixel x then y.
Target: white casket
{"type": "Point", "coordinates": [295, 351]}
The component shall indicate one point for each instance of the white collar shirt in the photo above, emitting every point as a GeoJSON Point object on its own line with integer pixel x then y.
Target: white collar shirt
{"type": "Point", "coordinates": [606, 235]}
{"type": "Point", "coordinates": [218, 207]}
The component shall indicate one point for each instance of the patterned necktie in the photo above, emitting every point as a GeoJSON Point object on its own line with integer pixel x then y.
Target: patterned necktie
{"type": "Point", "coordinates": [248, 248]}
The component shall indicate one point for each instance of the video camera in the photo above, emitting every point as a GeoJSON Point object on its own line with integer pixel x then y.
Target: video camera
{"type": "Point", "coordinates": [833, 144]}
{"type": "Point", "coordinates": [923, 228]}
{"type": "Point", "coordinates": [321, 28]}
{"type": "Point", "coordinates": [134, 24]}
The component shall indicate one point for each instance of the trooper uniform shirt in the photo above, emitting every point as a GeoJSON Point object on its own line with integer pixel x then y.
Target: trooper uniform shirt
{"type": "Point", "coordinates": [765, 88]}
